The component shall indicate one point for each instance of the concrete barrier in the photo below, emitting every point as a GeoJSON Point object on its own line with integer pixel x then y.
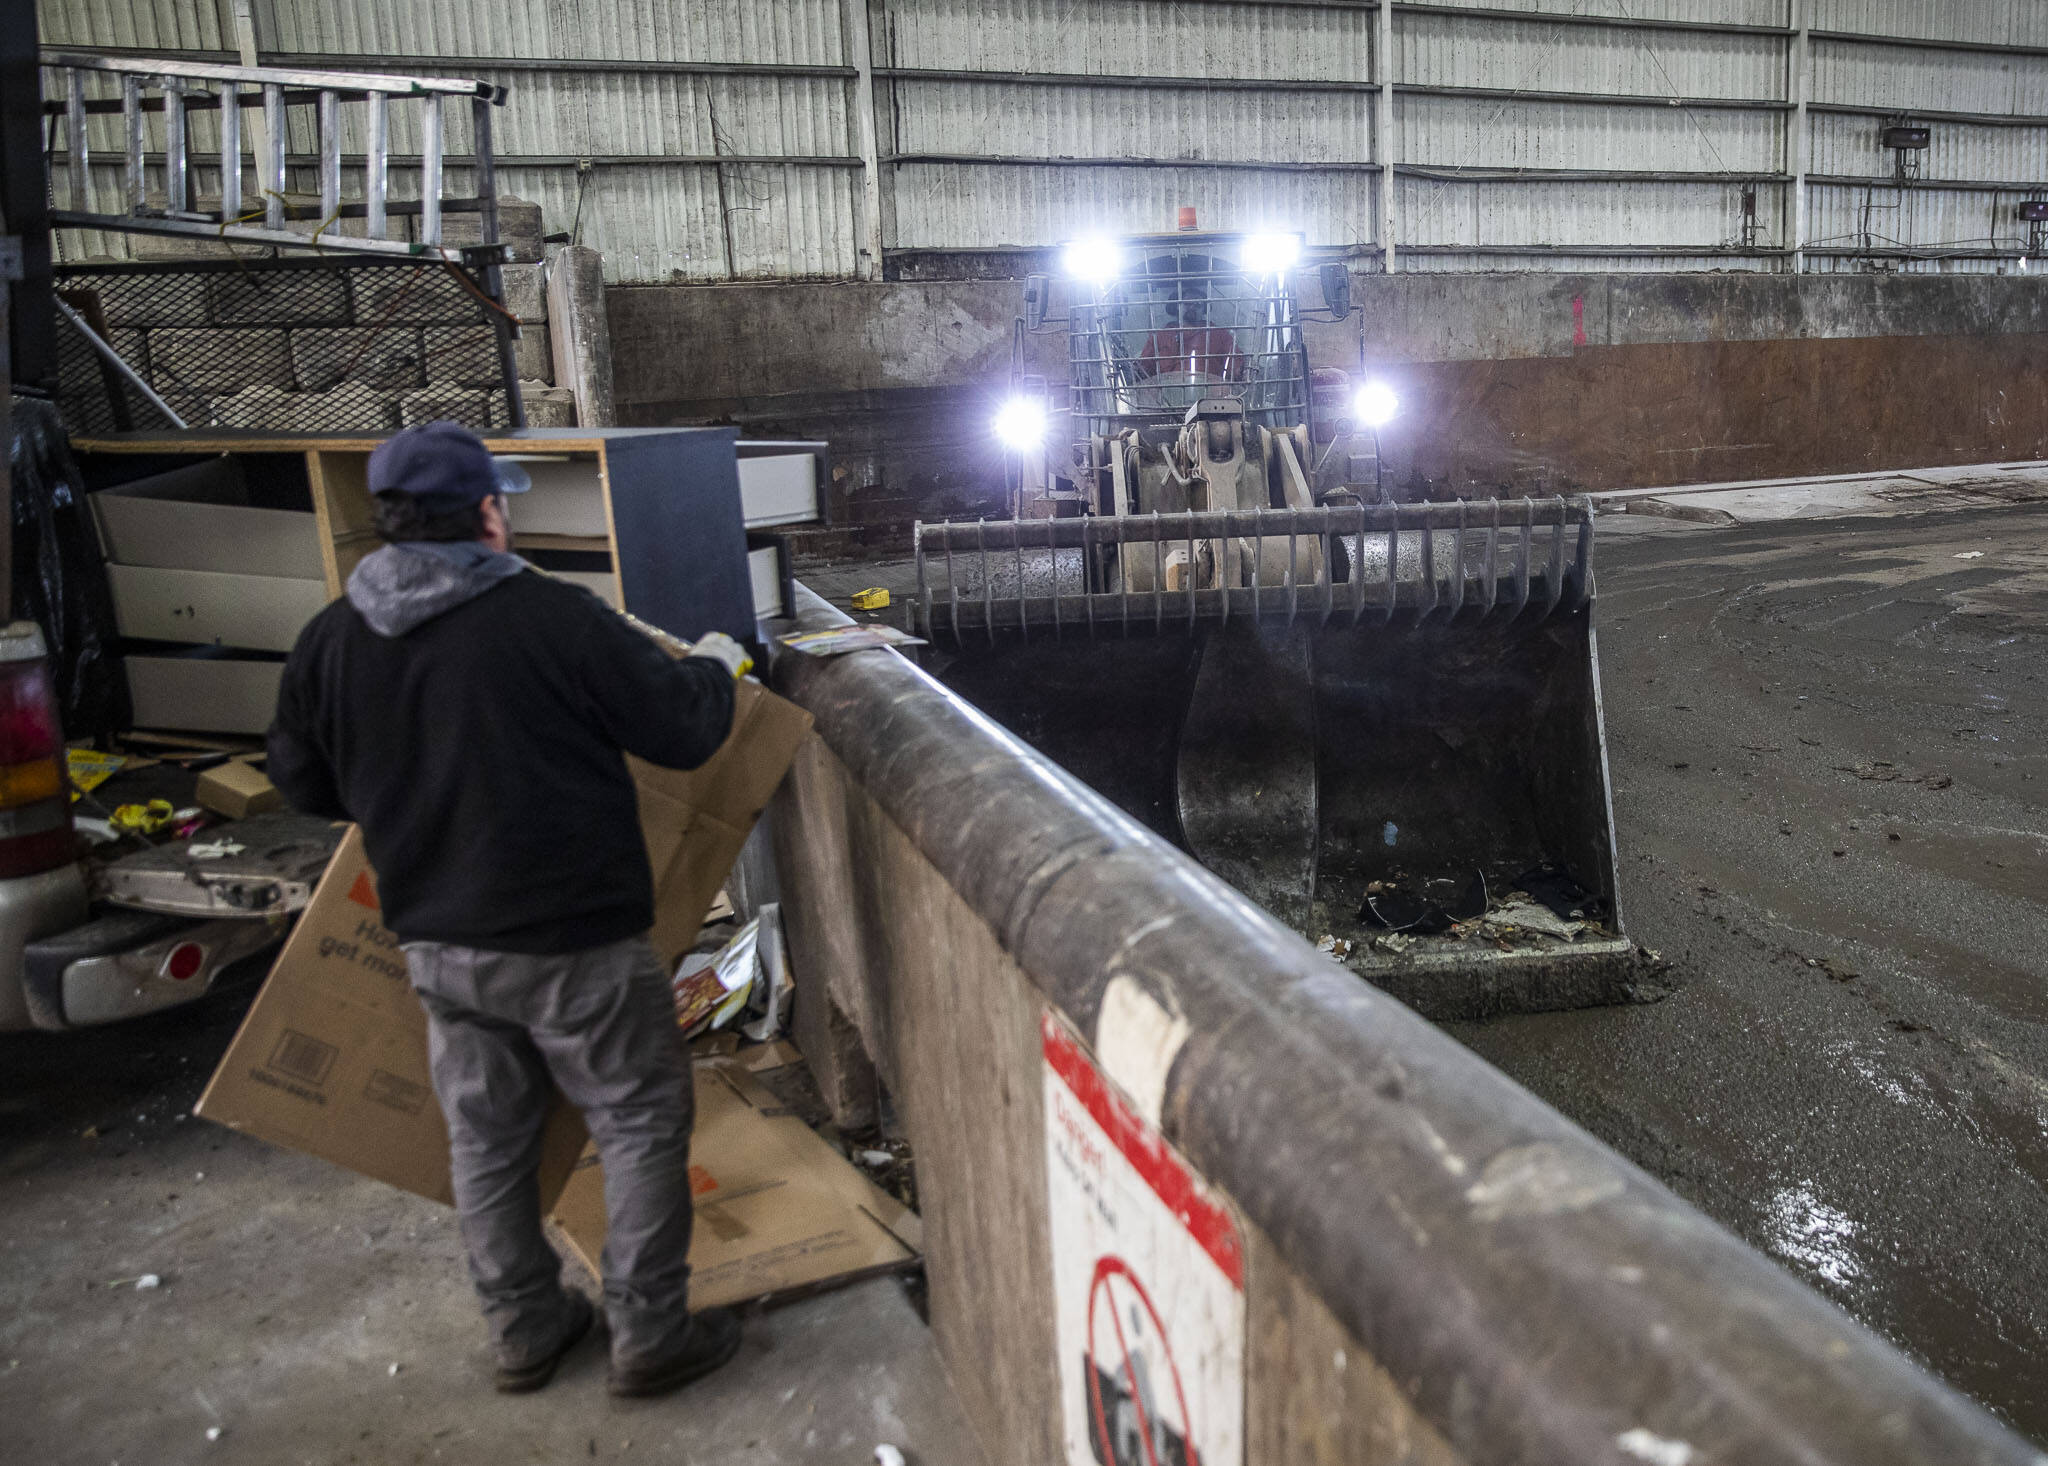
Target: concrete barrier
{"type": "Point", "coordinates": [1437, 1266]}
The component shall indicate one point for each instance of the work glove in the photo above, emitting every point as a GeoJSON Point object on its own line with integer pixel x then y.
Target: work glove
{"type": "Point", "coordinates": [725, 651]}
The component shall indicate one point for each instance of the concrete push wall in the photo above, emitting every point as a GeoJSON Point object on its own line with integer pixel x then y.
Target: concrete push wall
{"type": "Point", "coordinates": [1523, 383]}
{"type": "Point", "coordinates": [1438, 1267]}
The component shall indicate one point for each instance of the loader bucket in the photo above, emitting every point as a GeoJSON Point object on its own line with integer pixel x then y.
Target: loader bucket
{"type": "Point", "coordinates": [1406, 764]}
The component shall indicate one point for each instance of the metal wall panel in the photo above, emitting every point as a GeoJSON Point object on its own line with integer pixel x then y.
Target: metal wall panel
{"type": "Point", "coordinates": [1505, 132]}
{"type": "Point", "coordinates": [1129, 38]}
{"type": "Point", "coordinates": [1902, 78]}
{"type": "Point", "coordinates": [1536, 55]}
{"type": "Point", "coordinates": [1849, 146]}
{"type": "Point", "coordinates": [661, 218]}
{"type": "Point", "coordinates": [788, 31]}
{"type": "Point", "coordinates": [1984, 22]}
{"type": "Point", "coordinates": [1652, 216]}
{"type": "Point", "coordinates": [1002, 120]}
{"type": "Point", "coordinates": [992, 206]}
{"type": "Point", "coordinates": [1929, 219]}
{"type": "Point", "coordinates": [1699, 12]}
{"type": "Point", "coordinates": [148, 25]}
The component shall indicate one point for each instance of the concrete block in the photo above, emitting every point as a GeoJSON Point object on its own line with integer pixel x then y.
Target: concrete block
{"type": "Point", "coordinates": [580, 332]}
{"type": "Point", "coordinates": [532, 357]}
{"type": "Point", "coordinates": [462, 356]}
{"type": "Point", "coordinates": [279, 298]}
{"type": "Point", "coordinates": [473, 407]}
{"type": "Point", "coordinates": [388, 357]}
{"type": "Point", "coordinates": [146, 302]}
{"type": "Point", "coordinates": [519, 229]}
{"type": "Point", "coordinates": [548, 407]}
{"type": "Point", "coordinates": [526, 291]}
{"type": "Point", "coordinates": [350, 409]}
{"type": "Point", "coordinates": [419, 297]}
{"type": "Point", "coordinates": [220, 363]}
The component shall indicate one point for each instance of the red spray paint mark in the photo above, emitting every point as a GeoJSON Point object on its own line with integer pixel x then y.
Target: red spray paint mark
{"type": "Point", "coordinates": [1578, 320]}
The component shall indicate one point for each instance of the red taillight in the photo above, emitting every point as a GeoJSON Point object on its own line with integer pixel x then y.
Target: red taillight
{"type": "Point", "coordinates": [35, 804]}
{"type": "Point", "coordinates": [184, 962]}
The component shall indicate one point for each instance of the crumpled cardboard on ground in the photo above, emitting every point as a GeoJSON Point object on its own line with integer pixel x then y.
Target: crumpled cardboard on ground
{"type": "Point", "coordinates": [778, 1209]}
{"type": "Point", "coordinates": [332, 1058]}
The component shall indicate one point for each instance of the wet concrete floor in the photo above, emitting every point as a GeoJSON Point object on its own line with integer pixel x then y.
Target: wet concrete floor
{"type": "Point", "coordinates": [309, 1315]}
{"type": "Point", "coordinates": [1829, 745]}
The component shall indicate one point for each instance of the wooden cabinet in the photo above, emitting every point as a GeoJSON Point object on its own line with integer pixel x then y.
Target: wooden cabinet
{"type": "Point", "coordinates": [655, 520]}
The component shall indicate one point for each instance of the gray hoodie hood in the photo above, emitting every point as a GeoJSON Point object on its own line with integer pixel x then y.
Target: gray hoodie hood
{"type": "Point", "coordinates": [406, 585]}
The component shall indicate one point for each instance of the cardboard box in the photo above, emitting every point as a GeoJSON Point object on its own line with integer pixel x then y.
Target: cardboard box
{"type": "Point", "coordinates": [778, 1209]}
{"type": "Point", "coordinates": [696, 820]}
{"type": "Point", "coordinates": [332, 1058]}
{"type": "Point", "coordinates": [237, 789]}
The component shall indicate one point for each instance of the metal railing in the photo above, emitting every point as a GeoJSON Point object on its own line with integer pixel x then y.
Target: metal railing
{"type": "Point", "coordinates": [1468, 560]}
{"type": "Point", "coordinates": [177, 91]}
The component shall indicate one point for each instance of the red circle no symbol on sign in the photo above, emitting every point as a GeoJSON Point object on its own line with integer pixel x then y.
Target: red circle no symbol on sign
{"type": "Point", "coordinates": [1149, 1433]}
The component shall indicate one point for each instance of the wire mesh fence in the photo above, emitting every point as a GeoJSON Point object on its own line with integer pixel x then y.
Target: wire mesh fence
{"type": "Point", "coordinates": [291, 345]}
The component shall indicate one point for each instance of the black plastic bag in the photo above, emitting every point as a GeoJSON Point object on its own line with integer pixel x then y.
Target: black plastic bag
{"type": "Point", "coordinates": [60, 578]}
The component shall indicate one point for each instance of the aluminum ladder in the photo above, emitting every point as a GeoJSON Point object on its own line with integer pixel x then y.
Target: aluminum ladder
{"type": "Point", "coordinates": [80, 85]}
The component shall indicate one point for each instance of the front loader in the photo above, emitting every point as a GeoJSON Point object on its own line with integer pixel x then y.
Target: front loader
{"type": "Point", "coordinates": [1379, 721]}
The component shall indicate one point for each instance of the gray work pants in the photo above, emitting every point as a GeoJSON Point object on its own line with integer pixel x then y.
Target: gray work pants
{"type": "Point", "coordinates": [601, 1025]}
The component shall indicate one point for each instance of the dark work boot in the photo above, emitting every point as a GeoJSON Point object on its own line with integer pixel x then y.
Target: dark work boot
{"type": "Point", "coordinates": [526, 1378]}
{"type": "Point", "coordinates": [713, 1339]}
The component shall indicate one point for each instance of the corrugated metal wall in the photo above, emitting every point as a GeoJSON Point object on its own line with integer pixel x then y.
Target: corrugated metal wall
{"type": "Point", "coordinates": [724, 139]}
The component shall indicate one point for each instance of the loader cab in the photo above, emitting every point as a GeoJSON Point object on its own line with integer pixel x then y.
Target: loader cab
{"type": "Point", "coordinates": [1158, 323]}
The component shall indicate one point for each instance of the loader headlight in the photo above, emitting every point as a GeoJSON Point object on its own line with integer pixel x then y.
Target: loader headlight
{"type": "Point", "coordinates": [1020, 423]}
{"type": "Point", "coordinates": [1096, 259]}
{"type": "Point", "coordinates": [1270, 254]}
{"type": "Point", "coordinates": [1375, 405]}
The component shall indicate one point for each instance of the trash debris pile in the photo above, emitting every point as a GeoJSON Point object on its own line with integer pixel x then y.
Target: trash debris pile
{"type": "Point", "coordinates": [1540, 906]}
{"type": "Point", "coordinates": [744, 983]}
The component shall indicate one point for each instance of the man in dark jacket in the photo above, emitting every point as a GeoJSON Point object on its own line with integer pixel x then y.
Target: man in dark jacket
{"type": "Point", "coordinates": [472, 716]}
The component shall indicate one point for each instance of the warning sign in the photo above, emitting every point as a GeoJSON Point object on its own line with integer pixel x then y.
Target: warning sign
{"type": "Point", "coordinates": [1148, 1278]}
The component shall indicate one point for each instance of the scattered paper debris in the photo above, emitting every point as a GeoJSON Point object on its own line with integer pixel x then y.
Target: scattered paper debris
{"type": "Point", "coordinates": [1530, 916]}
{"type": "Point", "coordinates": [148, 1280]}
{"type": "Point", "coordinates": [1969, 554]}
{"type": "Point", "coordinates": [214, 849]}
{"type": "Point", "coordinates": [213, 1432]}
{"type": "Point", "coordinates": [1334, 946]}
{"type": "Point", "coordinates": [393, 1371]}
{"type": "Point", "coordinates": [1882, 772]}
{"type": "Point", "coordinates": [875, 1158]}
{"type": "Point", "coordinates": [887, 1455]}
{"type": "Point", "coordinates": [838, 640]}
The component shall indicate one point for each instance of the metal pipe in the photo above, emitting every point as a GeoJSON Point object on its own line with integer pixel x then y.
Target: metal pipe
{"type": "Point", "coordinates": [860, 51]}
{"type": "Point", "coordinates": [1383, 128]}
{"type": "Point", "coordinates": [113, 359]}
{"type": "Point", "coordinates": [74, 131]}
{"type": "Point", "coordinates": [432, 144]}
{"type": "Point", "coordinates": [177, 170]}
{"type": "Point", "coordinates": [377, 167]}
{"type": "Point", "coordinates": [230, 153]}
{"type": "Point", "coordinates": [137, 189]}
{"type": "Point", "coordinates": [271, 175]}
{"type": "Point", "coordinates": [329, 147]}
{"type": "Point", "coordinates": [1799, 81]}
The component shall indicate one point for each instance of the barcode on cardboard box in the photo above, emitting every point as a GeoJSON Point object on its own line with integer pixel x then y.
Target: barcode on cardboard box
{"type": "Point", "coordinates": [302, 1056]}
{"type": "Point", "coordinates": [393, 1093]}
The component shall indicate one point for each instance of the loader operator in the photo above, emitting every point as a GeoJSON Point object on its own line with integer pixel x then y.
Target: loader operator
{"type": "Point", "coordinates": [472, 716]}
{"type": "Point", "coordinates": [1191, 345]}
